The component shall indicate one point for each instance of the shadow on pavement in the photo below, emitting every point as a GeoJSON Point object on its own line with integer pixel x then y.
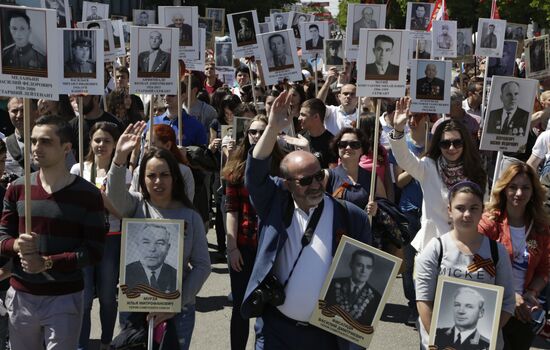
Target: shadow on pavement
{"type": "Point", "coordinates": [213, 303]}
{"type": "Point", "coordinates": [540, 343]}
{"type": "Point", "coordinates": [395, 313]}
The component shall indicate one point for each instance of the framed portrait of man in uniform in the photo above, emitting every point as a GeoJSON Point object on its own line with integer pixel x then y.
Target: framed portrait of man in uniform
{"type": "Point", "coordinates": [355, 291]}
{"type": "Point", "coordinates": [218, 14]}
{"type": "Point", "coordinates": [62, 10]}
{"type": "Point", "coordinates": [151, 265]}
{"type": "Point", "coordinates": [490, 37]}
{"type": "Point", "coordinates": [80, 53]}
{"type": "Point", "coordinates": [24, 42]}
{"type": "Point", "coordinates": [243, 28]}
{"type": "Point", "coordinates": [418, 15]}
{"type": "Point", "coordinates": [94, 11]}
{"type": "Point", "coordinates": [466, 314]}
{"type": "Point", "coordinates": [431, 86]}
{"type": "Point", "coordinates": [143, 18]}
{"type": "Point", "coordinates": [186, 20]}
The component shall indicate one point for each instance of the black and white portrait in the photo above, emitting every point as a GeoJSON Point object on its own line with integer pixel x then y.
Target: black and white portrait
{"type": "Point", "coordinates": [218, 14]}
{"type": "Point", "coordinates": [181, 19]}
{"type": "Point", "coordinates": [224, 54]}
{"type": "Point", "coordinates": [444, 42]}
{"type": "Point", "coordinates": [422, 46]}
{"type": "Point", "coordinates": [154, 53]}
{"type": "Point", "coordinates": [418, 15]}
{"type": "Point", "coordinates": [264, 27]}
{"type": "Point", "coordinates": [334, 52]}
{"type": "Point", "coordinates": [63, 14]}
{"type": "Point", "coordinates": [79, 53]}
{"type": "Point", "coordinates": [272, 11]}
{"type": "Point", "coordinates": [490, 37]}
{"type": "Point", "coordinates": [509, 118]}
{"type": "Point", "coordinates": [105, 25]}
{"type": "Point", "coordinates": [464, 42]}
{"type": "Point", "coordinates": [243, 27]}
{"type": "Point", "coordinates": [430, 85]}
{"type": "Point", "coordinates": [278, 51]}
{"type": "Point", "coordinates": [143, 18]}
{"type": "Point", "coordinates": [466, 316]}
{"type": "Point", "coordinates": [24, 42]}
{"type": "Point", "coordinates": [295, 18]}
{"type": "Point", "coordinates": [364, 16]}
{"type": "Point", "coordinates": [538, 55]}
{"type": "Point", "coordinates": [279, 21]}
{"type": "Point", "coordinates": [313, 36]}
{"type": "Point", "coordinates": [504, 66]}
{"type": "Point", "coordinates": [93, 11]}
{"type": "Point", "coordinates": [383, 56]}
{"type": "Point", "coordinates": [515, 31]}
{"type": "Point", "coordinates": [208, 25]}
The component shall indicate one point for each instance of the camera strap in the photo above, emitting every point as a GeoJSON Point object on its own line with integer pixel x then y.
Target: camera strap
{"type": "Point", "coordinates": [308, 236]}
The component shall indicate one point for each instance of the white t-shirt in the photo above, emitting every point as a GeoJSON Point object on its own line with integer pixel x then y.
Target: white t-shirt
{"type": "Point", "coordinates": [520, 258]}
{"type": "Point", "coordinates": [336, 119]}
{"type": "Point", "coordinates": [541, 149]}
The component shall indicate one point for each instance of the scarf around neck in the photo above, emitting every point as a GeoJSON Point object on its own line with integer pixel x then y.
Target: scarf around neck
{"type": "Point", "coordinates": [451, 173]}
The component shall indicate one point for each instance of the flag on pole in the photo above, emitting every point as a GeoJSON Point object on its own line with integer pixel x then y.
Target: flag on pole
{"type": "Point", "coordinates": [439, 13]}
{"type": "Point", "coordinates": [494, 10]}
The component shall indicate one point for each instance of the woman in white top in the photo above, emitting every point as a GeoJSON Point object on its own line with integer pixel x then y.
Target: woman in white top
{"type": "Point", "coordinates": [453, 254]}
{"type": "Point", "coordinates": [102, 279]}
{"type": "Point", "coordinates": [451, 158]}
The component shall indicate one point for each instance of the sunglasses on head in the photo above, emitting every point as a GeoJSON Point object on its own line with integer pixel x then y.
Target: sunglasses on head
{"type": "Point", "coordinates": [253, 132]}
{"type": "Point", "coordinates": [446, 144]}
{"type": "Point", "coordinates": [307, 180]}
{"type": "Point", "coordinates": [351, 144]}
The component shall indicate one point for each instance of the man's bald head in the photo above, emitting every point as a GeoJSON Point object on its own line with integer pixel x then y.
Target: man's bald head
{"type": "Point", "coordinates": [296, 160]}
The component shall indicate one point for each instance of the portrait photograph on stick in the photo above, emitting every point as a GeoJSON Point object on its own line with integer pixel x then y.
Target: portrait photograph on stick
{"type": "Point", "coordinates": [208, 25]}
{"type": "Point", "coordinates": [431, 86]}
{"type": "Point", "coordinates": [418, 15]}
{"type": "Point", "coordinates": [383, 62]}
{"type": "Point", "coordinates": [94, 11]}
{"type": "Point", "coordinates": [360, 16]}
{"type": "Point", "coordinates": [355, 291]}
{"type": "Point", "coordinates": [313, 36]}
{"type": "Point", "coordinates": [537, 60]}
{"type": "Point", "coordinates": [334, 53]}
{"type": "Point", "coordinates": [490, 37]}
{"type": "Point", "coordinates": [186, 20]}
{"type": "Point", "coordinates": [279, 56]}
{"type": "Point", "coordinates": [62, 9]}
{"type": "Point", "coordinates": [224, 54]}
{"type": "Point", "coordinates": [464, 44]}
{"type": "Point", "coordinates": [143, 18]}
{"type": "Point", "coordinates": [466, 314]}
{"type": "Point", "coordinates": [295, 19]}
{"type": "Point", "coordinates": [218, 14]}
{"type": "Point", "coordinates": [109, 50]}
{"type": "Point", "coordinates": [503, 66]}
{"type": "Point", "coordinates": [444, 39]}
{"type": "Point", "coordinates": [279, 21]}
{"type": "Point", "coordinates": [506, 125]}
{"type": "Point", "coordinates": [151, 263]}
{"type": "Point", "coordinates": [243, 28]}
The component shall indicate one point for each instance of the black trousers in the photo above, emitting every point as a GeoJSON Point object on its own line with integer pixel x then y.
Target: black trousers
{"type": "Point", "coordinates": [517, 335]}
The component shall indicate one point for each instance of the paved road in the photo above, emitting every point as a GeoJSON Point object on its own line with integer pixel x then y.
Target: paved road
{"type": "Point", "coordinates": [214, 314]}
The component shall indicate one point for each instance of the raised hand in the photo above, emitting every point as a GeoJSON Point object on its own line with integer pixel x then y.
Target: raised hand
{"type": "Point", "coordinates": [401, 113]}
{"type": "Point", "coordinates": [128, 141]}
{"type": "Point", "coordinates": [278, 116]}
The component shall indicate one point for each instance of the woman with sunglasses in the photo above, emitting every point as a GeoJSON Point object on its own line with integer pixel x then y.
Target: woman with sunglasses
{"type": "Point", "coordinates": [242, 226]}
{"type": "Point", "coordinates": [451, 158]}
{"type": "Point", "coordinates": [102, 279]}
{"type": "Point", "coordinates": [454, 254]}
{"type": "Point", "coordinates": [515, 217]}
{"type": "Point", "coordinates": [348, 180]}
{"type": "Point", "coordinates": [162, 196]}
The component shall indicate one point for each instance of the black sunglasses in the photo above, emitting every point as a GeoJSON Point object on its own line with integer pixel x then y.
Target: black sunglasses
{"type": "Point", "coordinates": [306, 181]}
{"type": "Point", "coordinates": [446, 144]}
{"type": "Point", "coordinates": [345, 144]}
{"type": "Point", "coordinates": [253, 132]}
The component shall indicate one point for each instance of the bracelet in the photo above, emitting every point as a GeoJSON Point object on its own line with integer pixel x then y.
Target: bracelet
{"type": "Point", "coordinates": [396, 135]}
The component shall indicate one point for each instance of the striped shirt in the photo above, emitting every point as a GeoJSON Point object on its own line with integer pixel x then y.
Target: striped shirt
{"type": "Point", "coordinates": [70, 224]}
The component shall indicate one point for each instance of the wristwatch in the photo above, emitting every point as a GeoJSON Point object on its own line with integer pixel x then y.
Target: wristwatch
{"type": "Point", "coordinates": [48, 263]}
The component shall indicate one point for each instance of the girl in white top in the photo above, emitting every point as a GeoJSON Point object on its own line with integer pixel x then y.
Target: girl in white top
{"type": "Point", "coordinates": [451, 158]}
{"type": "Point", "coordinates": [454, 252]}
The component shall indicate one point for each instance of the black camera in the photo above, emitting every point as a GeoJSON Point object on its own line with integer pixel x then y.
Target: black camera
{"type": "Point", "coordinates": [270, 291]}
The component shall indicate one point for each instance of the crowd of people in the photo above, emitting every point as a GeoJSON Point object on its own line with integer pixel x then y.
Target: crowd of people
{"type": "Point", "coordinates": [303, 153]}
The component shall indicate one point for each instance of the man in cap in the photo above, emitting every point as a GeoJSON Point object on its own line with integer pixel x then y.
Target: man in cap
{"type": "Point", "coordinates": [21, 54]}
{"type": "Point", "coordinates": [79, 62]}
{"type": "Point", "coordinates": [444, 40]}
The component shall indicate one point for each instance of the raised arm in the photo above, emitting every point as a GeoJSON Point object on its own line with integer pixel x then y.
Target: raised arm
{"type": "Point", "coordinates": [332, 76]}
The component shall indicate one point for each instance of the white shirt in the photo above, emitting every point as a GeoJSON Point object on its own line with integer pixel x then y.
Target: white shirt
{"type": "Point", "coordinates": [149, 272]}
{"type": "Point", "coordinates": [520, 257]}
{"type": "Point", "coordinates": [303, 288]}
{"type": "Point", "coordinates": [463, 335]}
{"type": "Point", "coordinates": [336, 119]}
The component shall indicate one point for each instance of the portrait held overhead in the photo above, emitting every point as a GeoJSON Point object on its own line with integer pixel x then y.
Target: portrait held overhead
{"type": "Point", "coordinates": [153, 61]}
{"type": "Point", "coordinates": [278, 52]}
{"type": "Point", "coordinates": [431, 87]}
{"type": "Point", "coordinates": [80, 62]}
{"type": "Point", "coordinates": [510, 119]}
{"type": "Point", "coordinates": [94, 11]}
{"type": "Point", "coordinates": [382, 68]}
{"type": "Point", "coordinates": [367, 20]}
{"type": "Point", "coordinates": [418, 15]}
{"type": "Point", "coordinates": [334, 52]}
{"type": "Point", "coordinates": [143, 18]}
{"type": "Point", "coordinates": [224, 54]}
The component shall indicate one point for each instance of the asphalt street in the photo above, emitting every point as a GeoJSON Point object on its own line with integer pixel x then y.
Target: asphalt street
{"type": "Point", "coordinates": [214, 314]}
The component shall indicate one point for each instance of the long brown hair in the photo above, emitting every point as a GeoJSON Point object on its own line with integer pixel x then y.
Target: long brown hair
{"type": "Point", "coordinates": [108, 127]}
{"type": "Point", "coordinates": [470, 157]}
{"type": "Point", "coordinates": [534, 209]}
{"type": "Point", "coordinates": [233, 171]}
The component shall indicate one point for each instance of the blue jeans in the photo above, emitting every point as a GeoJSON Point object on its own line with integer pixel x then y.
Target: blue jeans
{"type": "Point", "coordinates": [101, 280]}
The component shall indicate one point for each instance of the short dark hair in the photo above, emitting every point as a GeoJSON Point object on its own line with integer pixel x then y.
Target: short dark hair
{"type": "Point", "coordinates": [347, 130]}
{"type": "Point", "coordinates": [361, 252]}
{"type": "Point", "coordinates": [19, 14]}
{"type": "Point", "coordinates": [383, 38]}
{"type": "Point", "coordinates": [314, 26]}
{"type": "Point", "coordinates": [334, 44]}
{"type": "Point", "coordinates": [63, 129]}
{"type": "Point", "coordinates": [274, 36]}
{"type": "Point", "coordinates": [316, 105]}
{"type": "Point", "coordinates": [122, 70]}
{"type": "Point", "coordinates": [242, 69]}
{"type": "Point", "coordinates": [508, 83]}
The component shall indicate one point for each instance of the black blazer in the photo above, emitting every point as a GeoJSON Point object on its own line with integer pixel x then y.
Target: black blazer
{"type": "Point", "coordinates": [167, 278]}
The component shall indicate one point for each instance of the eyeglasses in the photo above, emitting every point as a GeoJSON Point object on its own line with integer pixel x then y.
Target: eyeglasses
{"type": "Point", "coordinates": [446, 144]}
{"type": "Point", "coordinates": [351, 144]}
{"type": "Point", "coordinates": [253, 132]}
{"type": "Point", "coordinates": [307, 180]}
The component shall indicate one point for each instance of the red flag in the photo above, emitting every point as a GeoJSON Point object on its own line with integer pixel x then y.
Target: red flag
{"type": "Point", "coordinates": [494, 10]}
{"type": "Point", "coordinates": [439, 13]}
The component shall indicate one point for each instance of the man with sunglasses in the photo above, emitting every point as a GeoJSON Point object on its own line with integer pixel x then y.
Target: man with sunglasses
{"type": "Point", "coordinates": [338, 117]}
{"type": "Point", "coordinates": [458, 113]}
{"type": "Point", "coordinates": [297, 255]}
